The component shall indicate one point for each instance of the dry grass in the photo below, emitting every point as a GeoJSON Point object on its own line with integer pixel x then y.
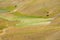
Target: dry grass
{"type": "Point", "coordinates": [44, 32]}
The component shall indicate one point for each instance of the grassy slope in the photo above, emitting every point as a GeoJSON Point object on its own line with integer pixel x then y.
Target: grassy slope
{"type": "Point", "coordinates": [31, 32]}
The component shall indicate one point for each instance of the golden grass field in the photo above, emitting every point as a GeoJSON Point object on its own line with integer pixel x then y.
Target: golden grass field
{"type": "Point", "coordinates": [40, 9]}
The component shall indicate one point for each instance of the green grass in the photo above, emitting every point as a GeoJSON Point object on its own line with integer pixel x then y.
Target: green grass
{"type": "Point", "coordinates": [25, 20]}
{"type": "Point", "coordinates": [18, 14]}
{"type": "Point", "coordinates": [33, 21]}
{"type": "Point", "coordinates": [2, 27]}
{"type": "Point", "coordinates": [7, 9]}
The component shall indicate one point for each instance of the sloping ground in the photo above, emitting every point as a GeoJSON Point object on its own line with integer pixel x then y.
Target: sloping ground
{"type": "Point", "coordinates": [37, 32]}
{"type": "Point", "coordinates": [29, 10]}
{"type": "Point", "coordinates": [41, 8]}
{"type": "Point", "coordinates": [32, 33]}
